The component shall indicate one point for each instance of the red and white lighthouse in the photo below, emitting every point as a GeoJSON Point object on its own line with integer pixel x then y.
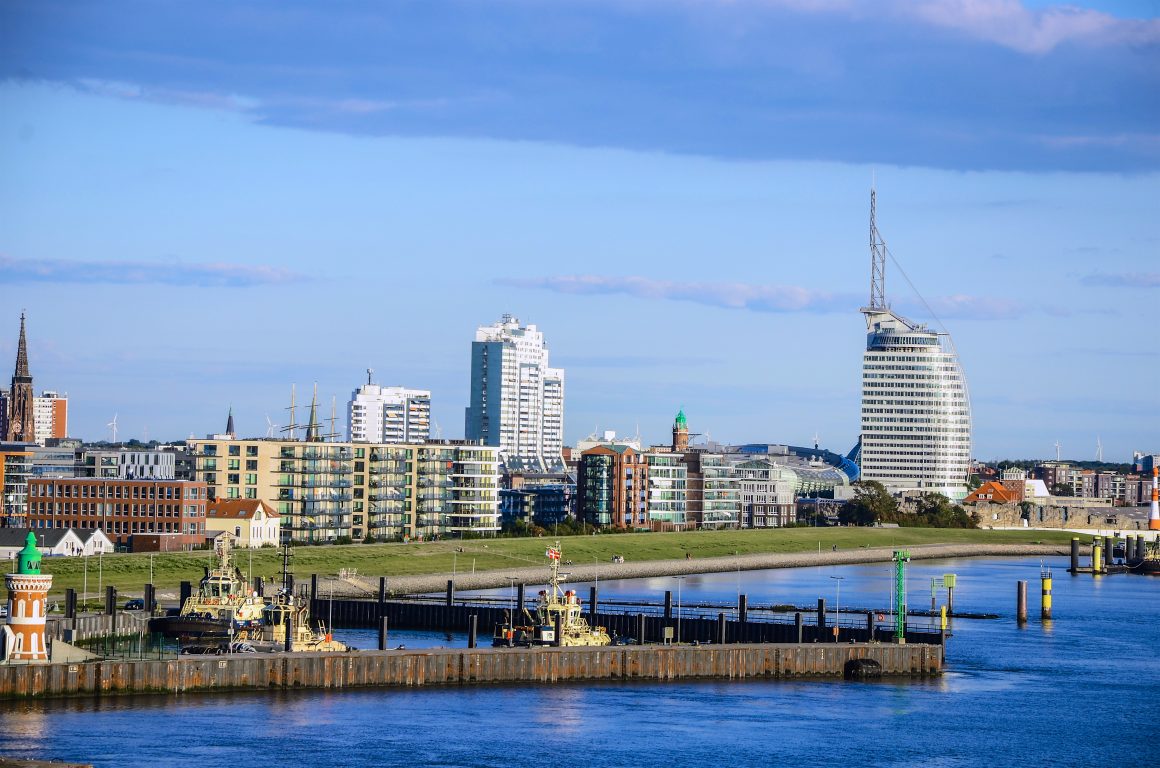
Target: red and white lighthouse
{"type": "Point", "coordinates": [24, 638]}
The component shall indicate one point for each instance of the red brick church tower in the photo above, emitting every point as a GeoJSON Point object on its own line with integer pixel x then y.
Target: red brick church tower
{"type": "Point", "coordinates": [19, 421]}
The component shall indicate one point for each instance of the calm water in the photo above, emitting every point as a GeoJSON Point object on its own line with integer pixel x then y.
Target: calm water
{"type": "Point", "coordinates": [1082, 692]}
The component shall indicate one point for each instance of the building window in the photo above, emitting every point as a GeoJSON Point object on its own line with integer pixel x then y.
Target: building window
{"type": "Point", "coordinates": [235, 450]}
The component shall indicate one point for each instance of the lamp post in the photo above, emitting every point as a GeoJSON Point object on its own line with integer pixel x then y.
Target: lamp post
{"type": "Point", "coordinates": [679, 580]}
{"type": "Point", "coordinates": [596, 560]}
{"type": "Point", "coordinates": [838, 608]}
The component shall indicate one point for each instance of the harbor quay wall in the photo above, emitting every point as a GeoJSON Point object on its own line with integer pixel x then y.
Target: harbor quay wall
{"type": "Point", "coordinates": [436, 667]}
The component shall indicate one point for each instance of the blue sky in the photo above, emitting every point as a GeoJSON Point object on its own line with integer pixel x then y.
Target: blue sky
{"type": "Point", "coordinates": [203, 204]}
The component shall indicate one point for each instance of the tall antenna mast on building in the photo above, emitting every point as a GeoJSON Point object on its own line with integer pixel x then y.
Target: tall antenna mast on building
{"type": "Point", "coordinates": [877, 258]}
{"type": "Point", "coordinates": [370, 375]}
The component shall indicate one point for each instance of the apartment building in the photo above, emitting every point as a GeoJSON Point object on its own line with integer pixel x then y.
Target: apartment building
{"type": "Point", "coordinates": [612, 487]}
{"type": "Point", "coordinates": [377, 414]}
{"type": "Point", "coordinates": [329, 491]}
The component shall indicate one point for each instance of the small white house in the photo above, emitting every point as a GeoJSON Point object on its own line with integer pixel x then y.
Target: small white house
{"type": "Point", "coordinates": [56, 542]}
{"type": "Point", "coordinates": [251, 522]}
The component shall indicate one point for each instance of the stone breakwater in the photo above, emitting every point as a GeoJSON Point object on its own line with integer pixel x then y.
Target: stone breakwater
{"type": "Point", "coordinates": [580, 572]}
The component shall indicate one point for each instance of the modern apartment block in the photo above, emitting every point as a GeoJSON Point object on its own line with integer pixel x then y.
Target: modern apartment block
{"type": "Point", "coordinates": [714, 493]}
{"type": "Point", "coordinates": [612, 487]}
{"type": "Point", "coordinates": [377, 414]}
{"type": "Point", "coordinates": [50, 416]}
{"type": "Point", "coordinates": [15, 470]}
{"type": "Point", "coordinates": [668, 479]}
{"type": "Point", "coordinates": [325, 491]}
{"type": "Point", "coordinates": [516, 399]}
{"type": "Point", "coordinates": [916, 417]}
{"type": "Point", "coordinates": [128, 465]}
{"type": "Point", "coordinates": [768, 498]}
{"type": "Point", "coordinates": [120, 508]}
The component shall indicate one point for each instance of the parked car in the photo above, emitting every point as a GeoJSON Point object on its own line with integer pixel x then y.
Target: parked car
{"type": "Point", "coordinates": [135, 605]}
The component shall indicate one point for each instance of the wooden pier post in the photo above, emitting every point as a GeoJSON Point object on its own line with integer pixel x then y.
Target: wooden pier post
{"type": "Point", "coordinates": [383, 633]}
{"type": "Point", "coordinates": [1074, 556]}
{"type": "Point", "coordinates": [743, 608]}
{"type": "Point", "coordinates": [1021, 603]}
{"type": "Point", "coordinates": [720, 629]}
{"type": "Point", "coordinates": [472, 628]}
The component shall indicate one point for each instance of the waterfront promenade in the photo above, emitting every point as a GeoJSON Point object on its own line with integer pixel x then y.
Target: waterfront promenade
{"type": "Point", "coordinates": [585, 572]}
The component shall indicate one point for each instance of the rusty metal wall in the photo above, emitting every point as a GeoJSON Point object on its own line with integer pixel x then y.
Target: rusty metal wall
{"type": "Point", "coordinates": [458, 667]}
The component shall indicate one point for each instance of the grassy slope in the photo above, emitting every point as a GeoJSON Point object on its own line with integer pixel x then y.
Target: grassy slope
{"type": "Point", "coordinates": [130, 572]}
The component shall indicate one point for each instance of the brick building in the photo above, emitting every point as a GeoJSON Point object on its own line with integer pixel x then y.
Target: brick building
{"type": "Point", "coordinates": [120, 508]}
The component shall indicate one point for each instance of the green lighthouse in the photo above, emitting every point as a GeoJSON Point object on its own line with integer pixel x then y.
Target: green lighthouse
{"type": "Point", "coordinates": [29, 557]}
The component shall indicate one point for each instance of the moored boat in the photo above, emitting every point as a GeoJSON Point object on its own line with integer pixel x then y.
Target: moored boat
{"type": "Point", "coordinates": [557, 610]}
{"type": "Point", "coordinates": [224, 608]}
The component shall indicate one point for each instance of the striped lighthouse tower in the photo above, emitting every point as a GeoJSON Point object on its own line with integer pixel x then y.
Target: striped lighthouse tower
{"type": "Point", "coordinates": [1154, 515]}
{"type": "Point", "coordinates": [27, 600]}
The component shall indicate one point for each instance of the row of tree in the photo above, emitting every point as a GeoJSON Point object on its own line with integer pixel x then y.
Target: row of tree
{"type": "Point", "coordinates": [873, 504]}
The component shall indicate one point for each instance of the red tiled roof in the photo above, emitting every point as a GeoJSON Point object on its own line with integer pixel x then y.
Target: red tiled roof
{"type": "Point", "coordinates": [238, 509]}
{"type": "Point", "coordinates": [990, 491]}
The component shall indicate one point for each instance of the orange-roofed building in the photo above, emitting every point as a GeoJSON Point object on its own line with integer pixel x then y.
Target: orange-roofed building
{"type": "Point", "coordinates": [252, 522]}
{"type": "Point", "coordinates": [993, 492]}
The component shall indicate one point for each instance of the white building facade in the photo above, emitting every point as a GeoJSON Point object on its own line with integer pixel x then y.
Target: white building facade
{"type": "Point", "coordinates": [516, 398]}
{"type": "Point", "coordinates": [916, 415]}
{"type": "Point", "coordinates": [49, 416]}
{"type": "Point", "coordinates": [389, 415]}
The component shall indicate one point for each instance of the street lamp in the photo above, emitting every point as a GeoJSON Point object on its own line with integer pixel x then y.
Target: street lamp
{"type": "Point", "coordinates": [838, 608]}
{"type": "Point", "coordinates": [679, 580]}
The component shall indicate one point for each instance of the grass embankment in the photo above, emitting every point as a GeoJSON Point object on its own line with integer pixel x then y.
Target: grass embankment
{"type": "Point", "coordinates": [129, 573]}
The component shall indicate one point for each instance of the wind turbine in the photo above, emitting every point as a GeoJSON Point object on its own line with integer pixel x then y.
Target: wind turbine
{"type": "Point", "coordinates": [271, 427]}
{"type": "Point", "coordinates": [1099, 450]}
{"type": "Point", "coordinates": [438, 429]}
{"type": "Point", "coordinates": [1057, 447]}
{"type": "Point", "coordinates": [113, 425]}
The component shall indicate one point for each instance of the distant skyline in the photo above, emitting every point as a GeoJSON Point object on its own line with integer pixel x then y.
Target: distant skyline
{"type": "Point", "coordinates": [200, 209]}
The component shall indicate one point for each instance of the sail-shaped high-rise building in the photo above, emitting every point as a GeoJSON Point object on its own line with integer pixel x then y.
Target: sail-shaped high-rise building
{"type": "Point", "coordinates": [916, 415]}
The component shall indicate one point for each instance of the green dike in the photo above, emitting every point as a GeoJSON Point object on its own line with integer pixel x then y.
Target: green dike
{"type": "Point", "coordinates": [129, 573]}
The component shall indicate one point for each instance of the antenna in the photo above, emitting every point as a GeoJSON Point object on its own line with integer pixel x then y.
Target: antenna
{"type": "Point", "coordinates": [877, 257]}
{"type": "Point", "coordinates": [817, 440]}
{"type": "Point", "coordinates": [370, 375]}
{"type": "Point", "coordinates": [113, 425]}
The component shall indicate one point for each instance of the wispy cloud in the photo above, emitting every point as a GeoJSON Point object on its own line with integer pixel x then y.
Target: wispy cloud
{"type": "Point", "coordinates": [757, 298]}
{"type": "Point", "coordinates": [1123, 279]}
{"type": "Point", "coordinates": [136, 92]}
{"type": "Point", "coordinates": [1011, 24]}
{"type": "Point", "coordinates": [1008, 23]}
{"type": "Point", "coordinates": [785, 298]}
{"type": "Point", "coordinates": [208, 275]}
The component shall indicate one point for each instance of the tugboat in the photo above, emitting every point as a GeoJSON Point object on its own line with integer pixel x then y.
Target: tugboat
{"type": "Point", "coordinates": [1151, 562]}
{"type": "Point", "coordinates": [286, 611]}
{"type": "Point", "coordinates": [553, 606]}
{"type": "Point", "coordinates": [224, 608]}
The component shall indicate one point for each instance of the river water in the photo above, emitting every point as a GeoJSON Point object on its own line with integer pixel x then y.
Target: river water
{"type": "Point", "coordinates": [1083, 691]}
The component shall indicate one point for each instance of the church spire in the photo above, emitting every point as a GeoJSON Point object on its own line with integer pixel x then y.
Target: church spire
{"type": "Point", "coordinates": [230, 423]}
{"type": "Point", "coordinates": [22, 353]}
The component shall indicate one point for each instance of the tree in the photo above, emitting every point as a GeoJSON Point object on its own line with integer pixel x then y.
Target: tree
{"type": "Point", "coordinates": [1062, 489]}
{"type": "Point", "coordinates": [872, 503]}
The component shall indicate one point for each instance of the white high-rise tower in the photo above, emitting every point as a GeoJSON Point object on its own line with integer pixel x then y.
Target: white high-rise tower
{"type": "Point", "coordinates": [377, 414]}
{"type": "Point", "coordinates": [517, 401]}
{"type": "Point", "coordinates": [916, 415]}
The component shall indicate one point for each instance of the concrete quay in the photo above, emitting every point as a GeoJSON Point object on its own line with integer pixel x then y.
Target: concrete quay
{"type": "Point", "coordinates": [479, 666]}
{"type": "Point", "coordinates": [583, 572]}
